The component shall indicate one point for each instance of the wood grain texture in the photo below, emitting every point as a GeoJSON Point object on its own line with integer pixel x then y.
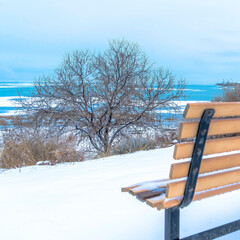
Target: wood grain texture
{"type": "Point", "coordinates": [172, 202]}
{"type": "Point", "coordinates": [176, 189]}
{"type": "Point", "coordinates": [223, 126]}
{"type": "Point", "coordinates": [222, 109]}
{"type": "Point", "coordinates": [180, 170]}
{"type": "Point", "coordinates": [184, 150]}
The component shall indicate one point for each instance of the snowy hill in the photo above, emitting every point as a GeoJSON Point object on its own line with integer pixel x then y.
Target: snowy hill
{"type": "Point", "coordinates": [84, 201]}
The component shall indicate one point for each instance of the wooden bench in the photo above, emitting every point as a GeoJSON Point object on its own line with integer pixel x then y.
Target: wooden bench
{"type": "Point", "coordinates": [211, 128]}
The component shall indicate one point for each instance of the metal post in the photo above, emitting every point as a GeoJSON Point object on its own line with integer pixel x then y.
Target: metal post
{"type": "Point", "coordinates": [172, 227]}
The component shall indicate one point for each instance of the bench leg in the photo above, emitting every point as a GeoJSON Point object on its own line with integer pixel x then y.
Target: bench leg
{"type": "Point", "coordinates": [172, 216]}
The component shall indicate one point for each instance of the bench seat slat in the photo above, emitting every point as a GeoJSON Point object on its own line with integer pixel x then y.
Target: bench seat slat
{"type": "Point", "coordinates": [155, 201]}
{"type": "Point", "coordinates": [172, 202]}
{"type": "Point", "coordinates": [125, 189]}
{"type": "Point", "coordinates": [146, 188]}
{"type": "Point", "coordinates": [222, 109]}
{"type": "Point", "coordinates": [176, 189]}
{"type": "Point", "coordinates": [143, 196]}
{"type": "Point", "coordinates": [223, 126]}
{"type": "Point", "coordinates": [180, 170]}
{"type": "Point", "coordinates": [184, 150]}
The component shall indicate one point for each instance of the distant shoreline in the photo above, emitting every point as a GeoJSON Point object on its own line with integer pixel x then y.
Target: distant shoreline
{"type": "Point", "coordinates": [227, 84]}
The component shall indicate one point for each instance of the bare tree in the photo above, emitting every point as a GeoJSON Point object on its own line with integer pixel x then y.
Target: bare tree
{"type": "Point", "coordinates": [100, 96]}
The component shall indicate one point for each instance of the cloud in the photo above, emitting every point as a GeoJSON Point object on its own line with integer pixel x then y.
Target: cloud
{"type": "Point", "coordinates": [193, 38]}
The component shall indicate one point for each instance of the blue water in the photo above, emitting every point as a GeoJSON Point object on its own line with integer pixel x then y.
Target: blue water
{"type": "Point", "coordinates": [12, 90]}
{"type": "Point", "coordinates": [202, 92]}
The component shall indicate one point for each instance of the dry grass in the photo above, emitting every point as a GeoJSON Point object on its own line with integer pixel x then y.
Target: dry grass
{"type": "Point", "coordinates": [3, 122]}
{"type": "Point", "coordinates": [24, 147]}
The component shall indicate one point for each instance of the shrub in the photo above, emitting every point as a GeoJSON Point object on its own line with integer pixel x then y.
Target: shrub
{"type": "Point", "coordinates": [25, 146]}
{"type": "Point", "coordinates": [229, 94]}
{"type": "Point", "coordinates": [144, 143]}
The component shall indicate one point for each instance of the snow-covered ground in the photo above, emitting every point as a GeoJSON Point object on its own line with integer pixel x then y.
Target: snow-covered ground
{"type": "Point", "coordinates": [83, 201]}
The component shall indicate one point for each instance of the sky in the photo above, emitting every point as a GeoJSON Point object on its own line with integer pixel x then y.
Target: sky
{"type": "Point", "coordinates": [198, 40]}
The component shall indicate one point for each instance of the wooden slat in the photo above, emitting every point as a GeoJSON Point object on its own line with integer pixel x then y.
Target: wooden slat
{"type": "Point", "coordinates": [223, 126]}
{"type": "Point", "coordinates": [141, 189]}
{"type": "Point", "coordinates": [180, 170]}
{"type": "Point", "coordinates": [125, 189]}
{"type": "Point", "coordinates": [222, 109]}
{"type": "Point", "coordinates": [184, 150]}
{"type": "Point", "coordinates": [143, 196]}
{"type": "Point", "coordinates": [155, 201]}
{"type": "Point", "coordinates": [169, 203]}
{"type": "Point", "coordinates": [176, 189]}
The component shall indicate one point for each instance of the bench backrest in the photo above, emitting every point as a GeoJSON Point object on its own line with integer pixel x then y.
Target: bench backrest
{"type": "Point", "coordinates": [211, 174]}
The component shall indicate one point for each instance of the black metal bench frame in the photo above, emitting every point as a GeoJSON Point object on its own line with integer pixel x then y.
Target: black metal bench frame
{"type": "Point", "coordinates": [172, 215]}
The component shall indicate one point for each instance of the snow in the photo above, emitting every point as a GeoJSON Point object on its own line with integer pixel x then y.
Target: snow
{"type": "Point", "coordinates": [84, 201]}
{"type": "Point", "coordinates": [15, 85]}
{"type": "Point", "coordinates": [8, 101]}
